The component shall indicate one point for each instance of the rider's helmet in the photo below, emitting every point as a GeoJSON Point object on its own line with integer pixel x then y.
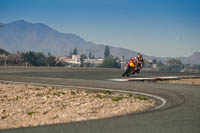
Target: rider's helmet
{"type": "Point", "coordinates": [139, 56]}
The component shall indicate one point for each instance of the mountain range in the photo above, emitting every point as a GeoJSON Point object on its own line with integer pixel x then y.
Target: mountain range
{"type": "Point", "coordinates": [193, 59]}
{"type": "Point", "coordinates": [25, 36]}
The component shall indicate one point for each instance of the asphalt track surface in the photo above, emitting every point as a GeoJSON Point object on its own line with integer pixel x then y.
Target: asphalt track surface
{"type": "Point", "coordinates": [181, 113]}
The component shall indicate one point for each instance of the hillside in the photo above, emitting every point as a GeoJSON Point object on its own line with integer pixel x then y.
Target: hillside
{"type": "Point", "coordinates": [24, 36]}
{"type": "Point", "coordinates": [3, 52]}
{"type": "Point", "coordinates": [194, 58]}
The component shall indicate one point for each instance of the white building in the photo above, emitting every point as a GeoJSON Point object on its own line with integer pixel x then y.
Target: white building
{"type": "Point", "coordinates": [93, 61]}
{"type": "Point", "coordinates": [74, 60]}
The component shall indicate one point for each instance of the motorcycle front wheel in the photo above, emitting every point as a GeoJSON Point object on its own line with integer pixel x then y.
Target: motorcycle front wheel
{"type": "Point", "coordinates": [126, 73]}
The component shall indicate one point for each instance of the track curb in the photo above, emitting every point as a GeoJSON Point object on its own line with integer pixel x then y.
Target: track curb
{"type": "Point", "coordinates": [155, 78]}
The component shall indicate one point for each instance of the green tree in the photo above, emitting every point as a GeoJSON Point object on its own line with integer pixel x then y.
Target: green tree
{"type": "Point", "coordinates": [90, 55]}
{"type": "Point", "coordinates": [174, 65]}
{"type": "Point", "coordinates": [70, 54]}
{"type": "Point", "coordinates": [51, 60]}
{"type": "Point", "coordinates": [81, 60]}
{"type": "Point", "coordinates": [110, 62]}
{"type": "Point", "coordinates": [35, 58]}
{"type": "Point", "coordinates": [160, 66]}
{"type": "Point", "coordinates": [49, 54]}
{"type": "Point", "coordinates": [93, 57]}
{"type": "Point", "coordinates": [174, 62]}
{"type": "Point", "coordinates": [39, 59]}
{"type": "Point", "coordinates": [106, 52]}
{"type": "Point", "coordinates": [83, 56]}
{"type": "Point", "coordinates": [75, 52]}
{"type": "Point", "coordinates": [28, 56]}
{"type": "Point", "coordinates": [154, 61]}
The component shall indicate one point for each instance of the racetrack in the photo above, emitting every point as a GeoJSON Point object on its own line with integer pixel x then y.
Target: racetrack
{"type": "Point", "coordinates": [179, 115]}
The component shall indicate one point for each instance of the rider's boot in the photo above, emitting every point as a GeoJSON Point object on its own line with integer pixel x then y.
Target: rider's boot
{"type": "Point", "coordinates": [137, 71]}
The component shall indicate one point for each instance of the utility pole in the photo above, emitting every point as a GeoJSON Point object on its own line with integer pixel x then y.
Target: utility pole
{"type": "Point", "coordinates": [26, 64]}
{"type": "Point", "coordinates": [5, 63]}
{"type": "Point", "coordinates": [122, 62]}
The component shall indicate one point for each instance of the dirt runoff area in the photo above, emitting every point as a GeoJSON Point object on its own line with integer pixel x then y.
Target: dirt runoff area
{"type": "Point", "coordinates": [195, 81]}
{"type": "Point", "coordinates": [28, 105]}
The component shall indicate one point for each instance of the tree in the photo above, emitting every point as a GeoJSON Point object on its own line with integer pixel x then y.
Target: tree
{"type": "Point", "coordinates": [93, 57]}
{"type": "Point", "coordinates": [70, 54]}
{"type": "Point", "coordinates": [174, 65]}
{"type": "Point", "coordinates": [110, 62]}
{"type": "Point", "coordinates": [51, 60]}
{"type": "Point", "coordinates": [90, 55]}
{"type": "Point", "coordinates": [75, 52]}
{"type": "Point", "coordinates": [160, 64]}
{"type": "Point", "coordinates": [154, 61]}
{"type": "Point", "coordinates": [39, 59]}
{"type": "Point", "coordinates": [49, 54]}
{"type": "Point", "coordinates": [173, 62]}
{"type": "Point", "coordinates": [83, 56]}
{"type": "Point", "coordinates": [106, 52]}
{"type": "Point", "coordinates": [35, 58]}
{"type": "Point", "coordinates": [28, 56]}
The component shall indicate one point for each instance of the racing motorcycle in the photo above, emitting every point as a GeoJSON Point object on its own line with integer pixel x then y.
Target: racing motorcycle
{"type": "Point", "coordinates": [131, 69]}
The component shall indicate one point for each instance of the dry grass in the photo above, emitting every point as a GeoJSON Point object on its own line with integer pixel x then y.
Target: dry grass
{"type": "Point", "coordinates": [26, 105]}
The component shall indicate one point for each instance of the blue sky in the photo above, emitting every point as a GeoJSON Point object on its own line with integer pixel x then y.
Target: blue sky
{"type": "Point", "coordinates": [153, 27]}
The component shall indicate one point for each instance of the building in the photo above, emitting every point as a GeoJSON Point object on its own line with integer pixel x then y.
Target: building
{"type": "Point", "coordinates": [67, 60]}
{"type": "Point", "coordinates": [93, 61]}
{"type": "Point", "coordinates": [75, 60]}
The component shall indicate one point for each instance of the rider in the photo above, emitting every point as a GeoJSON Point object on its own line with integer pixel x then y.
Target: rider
{"type": "Point", "coordinates": [140, 63]}
{"type": "Point", "coordinates": [135, 64]}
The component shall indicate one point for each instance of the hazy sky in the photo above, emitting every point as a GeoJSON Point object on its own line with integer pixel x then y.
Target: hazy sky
{"type": "Point", "coordinates": [153, 27]}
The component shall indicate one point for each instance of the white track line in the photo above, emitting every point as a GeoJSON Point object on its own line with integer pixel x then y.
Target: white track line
{"type": "Point", "coordinates": [163, 100]}
{"type": "Point", "coordinates": [167, 78]}
{"type": "Point", "coordinates": [154, 78]}
{"type": "Point", "coordinates": [119, 80]}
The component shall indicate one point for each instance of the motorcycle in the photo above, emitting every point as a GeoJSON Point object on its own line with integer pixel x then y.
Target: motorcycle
{"type": "Point", "coordinates": [132, 70]}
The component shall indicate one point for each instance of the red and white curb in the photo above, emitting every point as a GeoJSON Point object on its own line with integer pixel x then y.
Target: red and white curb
{"type": "Point", "coordinates": [155, 78]}
{"type": "Point", "coordinates": [145, 79]}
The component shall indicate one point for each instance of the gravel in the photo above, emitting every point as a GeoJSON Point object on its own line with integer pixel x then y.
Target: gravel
{"type": "Point", "coordinates": [27, 105]}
